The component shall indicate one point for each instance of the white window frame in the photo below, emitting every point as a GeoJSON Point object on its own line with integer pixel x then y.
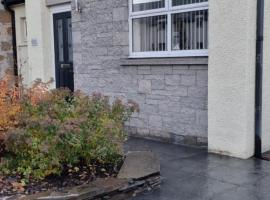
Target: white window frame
{"type": "Point", "coordinates": [168, 10]}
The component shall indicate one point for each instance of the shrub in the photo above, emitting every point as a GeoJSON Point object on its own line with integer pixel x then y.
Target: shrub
{"type": "Point", "coordinates": [58, 128]}
{"type": "Point", "coordinates": [9, 103]}
{"type": "Point", "coordinates": [12, 93]}
{"type": "Point", "coordinates": [9, 106]}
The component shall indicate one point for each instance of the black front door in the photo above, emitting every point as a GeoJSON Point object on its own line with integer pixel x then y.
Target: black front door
{"type": "Point", "coordinates": [63, 50]}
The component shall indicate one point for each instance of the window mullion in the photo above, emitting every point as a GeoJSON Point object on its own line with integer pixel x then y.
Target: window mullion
{"type": "Point", "coordinates": [169, 32]}
{"type": "Point", "coordinates": [167, 5]}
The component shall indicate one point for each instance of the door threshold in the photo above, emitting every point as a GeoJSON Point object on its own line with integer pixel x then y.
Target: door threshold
{"type": "Point", "coordinates": [266, 156]}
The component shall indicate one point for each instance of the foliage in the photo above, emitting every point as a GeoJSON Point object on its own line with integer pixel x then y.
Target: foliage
{"type": "Point", "coordinates": [12, 94]}
{"type": "Point", "coordinates": [9, 103]}
{"type": "Point", "coordinates": [55, 128]}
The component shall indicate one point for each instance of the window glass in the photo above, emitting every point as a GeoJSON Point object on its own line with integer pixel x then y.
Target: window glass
{"type": "Point", "coordinates": [190, 30]}
{"type": "Point", "coordinates": [185, 2]}
{"type": "Point", "coordinates": [23, 29]}
{"type": "Point", "coordinates": [150, 34]}
{"type": "Point", "coordinates": [142, 5]}
{"type": "Point", "coordinates": [69, 33]}
{"type": "Point", "coordinates": [60, 40]}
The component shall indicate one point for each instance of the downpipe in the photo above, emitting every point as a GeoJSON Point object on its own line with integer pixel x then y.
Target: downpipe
{"type": "Point", "coordinates": [259, 78]}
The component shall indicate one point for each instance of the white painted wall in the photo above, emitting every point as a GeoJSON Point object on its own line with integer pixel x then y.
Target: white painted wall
{"type": "Point", "coordinates": [22, 48]}
{"type": "Point", "coordinates": [266, 82]}
{"type": "Point", "coordinates": [39, 46]}
{"type": "Point", "coordinates": [232, 77]}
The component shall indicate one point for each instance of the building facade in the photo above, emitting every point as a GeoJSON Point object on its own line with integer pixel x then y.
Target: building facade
{"type": "Point", "coordinates": [190, 65]}
{"type": "Point", "coordinates": [171, 92]}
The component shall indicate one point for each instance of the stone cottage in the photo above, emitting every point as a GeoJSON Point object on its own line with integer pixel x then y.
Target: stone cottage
{"type": "Point", "coordinates": [192, 65]}
{"type": "Point", "coordinates": [6, 57]}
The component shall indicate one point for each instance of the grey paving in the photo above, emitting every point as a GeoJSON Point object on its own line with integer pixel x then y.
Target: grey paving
{"type": "Point", "coordinates": [139, 164]}
{"type": "Point", "coordinates": [193, 174]}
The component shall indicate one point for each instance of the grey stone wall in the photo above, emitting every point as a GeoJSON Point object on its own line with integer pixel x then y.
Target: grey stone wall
{"type": "Point", "coordinates": [172, 97]}
{"type": "Point", "coordinates": [6, 56]}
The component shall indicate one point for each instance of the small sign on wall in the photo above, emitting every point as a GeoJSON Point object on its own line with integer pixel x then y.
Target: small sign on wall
{"type": "Point", "coordinates": [34, 42]}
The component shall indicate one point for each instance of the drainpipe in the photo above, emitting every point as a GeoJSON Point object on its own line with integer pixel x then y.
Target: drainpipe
{"type": "Point", "coordinates": [14, 42]}
{"type": "Point", "coordinates": [259, 77]}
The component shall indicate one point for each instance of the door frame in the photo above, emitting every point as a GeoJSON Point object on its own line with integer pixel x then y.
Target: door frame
{"type": "Point", "coordinates": [55, 10]}
{"type": "Point", "coordinates": [58, 77]}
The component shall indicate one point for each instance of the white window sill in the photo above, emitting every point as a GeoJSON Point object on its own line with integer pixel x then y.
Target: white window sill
{"type": "Point", "coordinates": [169, 54]}
{"type": "Point", "coordinates": [172, 61]}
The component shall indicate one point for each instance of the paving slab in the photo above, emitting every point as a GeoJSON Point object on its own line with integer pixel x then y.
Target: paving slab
{"type": "Point", "coordinates": [192, 174]}
{"type": "Point", "coordinates": [139, 164]}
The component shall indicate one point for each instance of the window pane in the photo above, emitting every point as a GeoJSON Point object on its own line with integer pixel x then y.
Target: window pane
{"type": "Point", "coordinates": [141, 5]}
{"type": "Point", "coordinates": [69, 34]}
{"type": "Point", "coordinates": [185, 2]}
{"type": "Point", "coordinates": [60, 40]}
{"type": "Point", "coordinates": [150, 34]}
{"type": "Point", "coordinates": [190, 30]}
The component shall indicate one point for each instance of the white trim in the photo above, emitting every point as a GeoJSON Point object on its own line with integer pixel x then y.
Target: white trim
{"type": "Point", "coordinates": [169, 33]}
{"type": "Point", "coordinates": [60, 8]}
{"type": "Point", "coordinates": [166, 54]}
{"type": "Point", "coordinates": [158, 10]}
{"type": "Point", "coordinates": [54, 10]}
{"type": "Point", "coordinates": [167, 10]}
{"type": "Point", "coordinates": [190, 7]}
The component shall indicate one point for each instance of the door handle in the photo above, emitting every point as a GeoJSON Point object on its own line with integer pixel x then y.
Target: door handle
{"type": "Point", "coordinates": [65, 66]}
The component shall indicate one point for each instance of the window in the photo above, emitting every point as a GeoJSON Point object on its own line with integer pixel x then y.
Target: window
{"type": "Point", "coordinates": [168, 28]}
{"type": "Point", "coordinates": [23, 30]}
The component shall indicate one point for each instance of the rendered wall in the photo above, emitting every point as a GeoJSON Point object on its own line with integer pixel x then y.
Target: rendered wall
{"type": "Point", "coordinates": [232, 77]}
{"type": "Point", "coordinates": [172, 95]}
{"type": "Point", "coordinates": [6, 54]}
{"type": "Point", "coordinates": [35, 54]}
{"type": "Point", "coordinates": [22, 47]}
{"type": "Point", "coordinates": [266, 82]}
{"type": "Point", "coordinates": [39, 39]}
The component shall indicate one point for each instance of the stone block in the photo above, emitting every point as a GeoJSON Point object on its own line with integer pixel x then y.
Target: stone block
{"type": "Point", "coordinates": [5, 46]}
{"type": "Point", "coordinates": [142, 70]}
{"type": "Point", "coordinates": [148, 109]}
{"type": "Point", "coordinates": [121, 38]}
{"type": "Point", "coordinates": [181, 71]}
{"type": "Point", "coordinates": [197, 91]}
{"type": "Point", "coordinates": [172, 91]}
{"type": "Point", "coordinates": [172, 79]}
{"type": "Point", "coordinates": [143, 131]}
{"type": "Point", "coordinates": [202, 117]}
{"type": "Point", "coordinates": [145, 86]}
{"type": "Point", "coordinates": [202, 77]}
{"type": "Point", "coordinates": [161, 70]}
{"type": "Point", "coordinates": [155, 121]}
{"type": "Point", "coordinates": [2, 57]}
{"type": "Point", "coordinates": [155, 97]}
{"type": "Point", "coordinates": [190, 140]}
{"type": "Point", "coordinates": [4, 17]}
{"type": "Point", "coordinates": [158, 84]}
{"type": "Point", "coordinates": [202, 141]}
{"type": "Point", "coordinates": [120, 14]}
{"type": "Point", "coordinates": [138, 165]}
{"type": "Point", "coordinates": [138, 122]}
{"type": "Point", "coordinates": [188, 80]}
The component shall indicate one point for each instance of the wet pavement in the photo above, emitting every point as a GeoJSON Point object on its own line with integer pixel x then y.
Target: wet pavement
{"type": "Point", "coordinates": [193, 174]}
